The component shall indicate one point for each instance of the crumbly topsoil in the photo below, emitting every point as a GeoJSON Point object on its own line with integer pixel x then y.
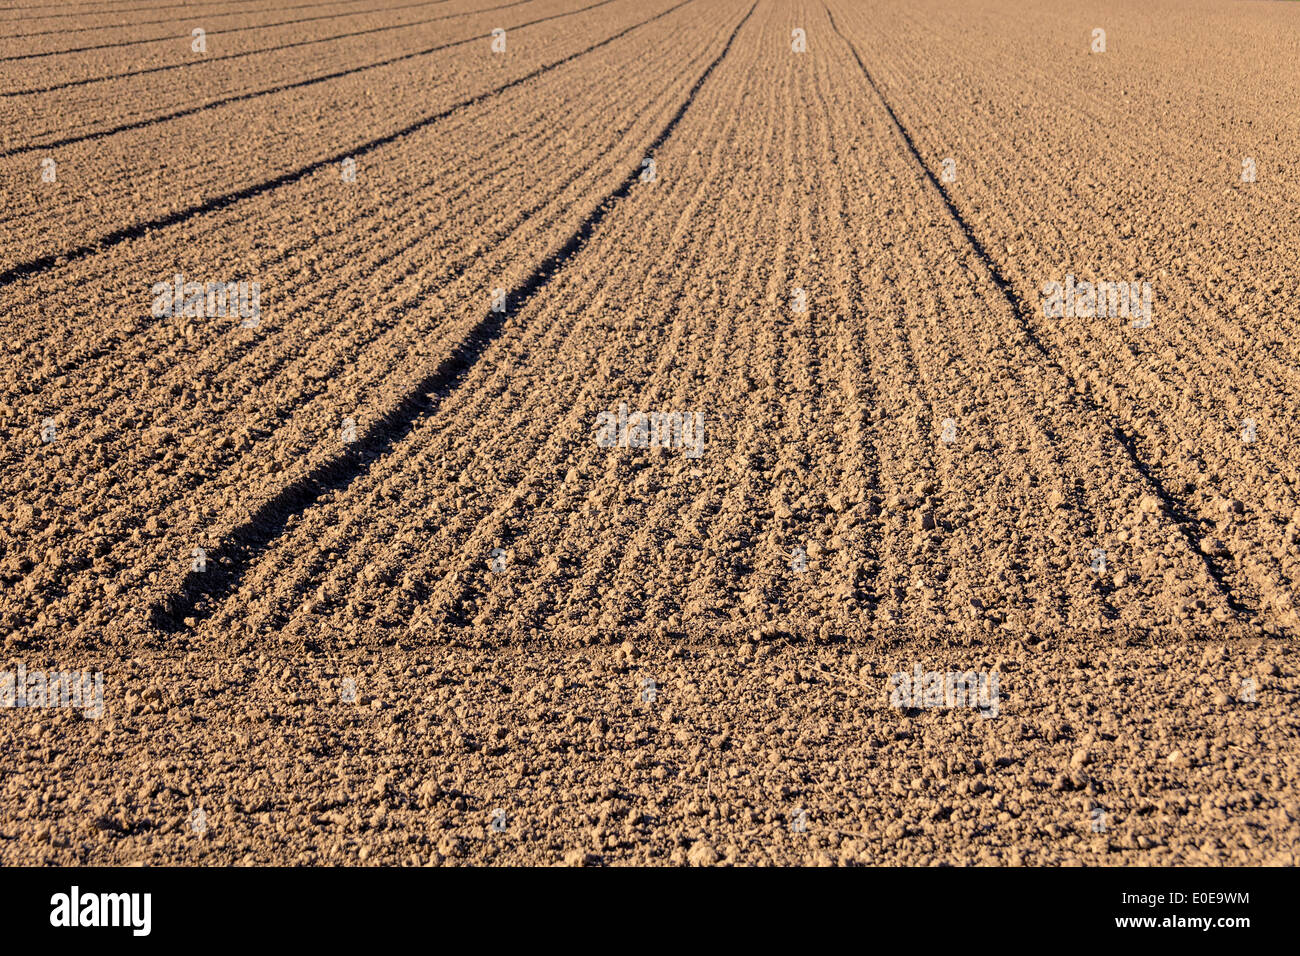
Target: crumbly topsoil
{"type": "Point", "coordinates": [369, 580]}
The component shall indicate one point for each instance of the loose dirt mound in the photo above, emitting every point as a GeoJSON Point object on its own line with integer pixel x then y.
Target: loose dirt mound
{"type": "Point", "coordinates": [648, 433]}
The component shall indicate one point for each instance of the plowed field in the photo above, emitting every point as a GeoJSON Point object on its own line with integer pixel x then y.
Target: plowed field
{"type": "Point", "coordinates": [559, 431]}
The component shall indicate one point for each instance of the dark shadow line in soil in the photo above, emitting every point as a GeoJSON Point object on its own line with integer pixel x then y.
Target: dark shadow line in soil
{"type": "Point", "coordinates": [199, 592]}
{"type": "Point", "coordinates": [1173, 507]}
{"type": "Point", "coordinates": [33, 266]}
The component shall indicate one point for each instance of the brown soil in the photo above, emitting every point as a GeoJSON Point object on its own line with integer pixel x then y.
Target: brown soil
{"type": "Point", "coordinates": [467, 604]}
